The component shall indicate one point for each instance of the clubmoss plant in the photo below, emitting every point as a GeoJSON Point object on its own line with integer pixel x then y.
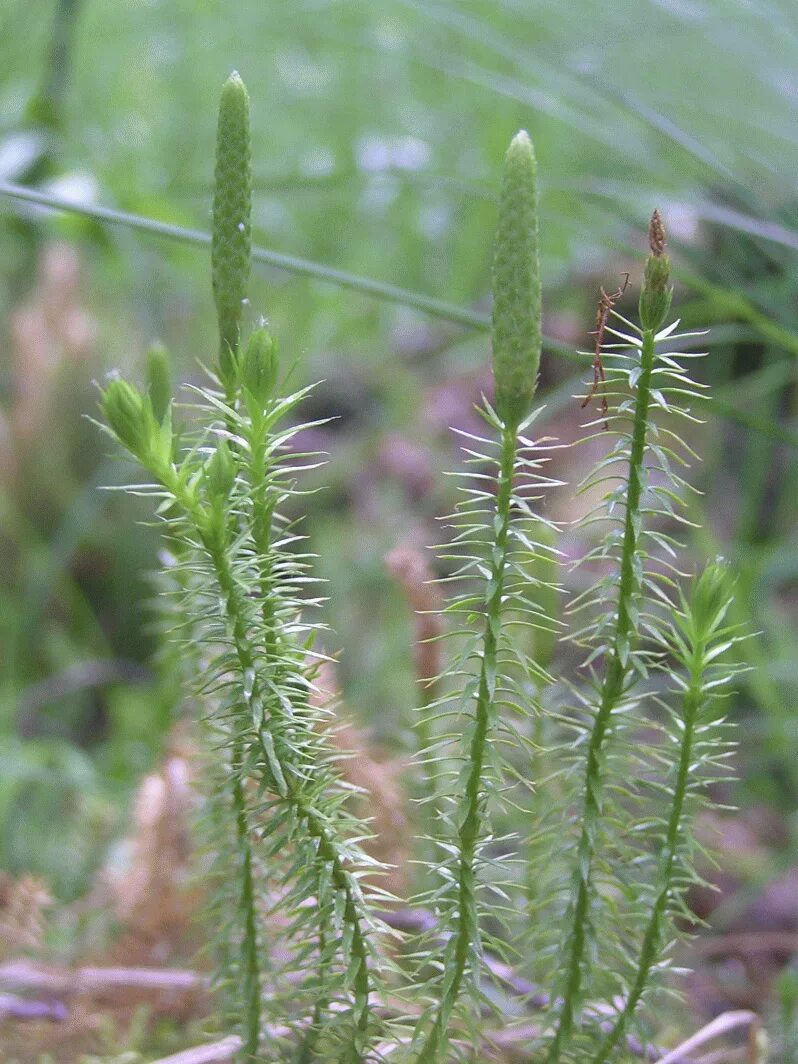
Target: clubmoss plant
{"type": "Point", "coordinates": [618, 662]}
{"type": "Point", "coordinates": [620, 882]}
{"type": "Point", "coordinates": [560, 845]}
{"type": "Point", "coordinates": [495, 531]}
{"type": "Point", "coordinates": [698, 637]}
{"type": "Point", "coordinates": [281, 832]}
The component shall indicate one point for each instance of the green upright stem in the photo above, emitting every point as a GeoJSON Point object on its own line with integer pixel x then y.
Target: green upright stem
{"type": "Point", "coordinates": [328, 853]}
{"type": "Point", "coordinates": [615, 674]}
{"type": "Point", "coordinates": [249, 948]}
{"type": "Point", "coordinates": [215, 546]}
{"type": "Point", "coordinates": [307, 1050]}
{"type": "Point", "coordinates": [649, 951]}
{"type": "Point", "coordinates": [467, 934]}
{"type": "Point", "coordinates": [289, 787]}
{"type": "Point", "coordinates": [262, 513]}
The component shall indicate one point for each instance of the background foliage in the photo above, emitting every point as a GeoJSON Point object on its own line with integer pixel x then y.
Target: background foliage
{"type": "Point", "coordinates": [378, 135]}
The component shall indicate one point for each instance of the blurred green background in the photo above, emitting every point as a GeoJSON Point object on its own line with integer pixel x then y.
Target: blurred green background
{"type": "Point", "coordinates": [379, 131]}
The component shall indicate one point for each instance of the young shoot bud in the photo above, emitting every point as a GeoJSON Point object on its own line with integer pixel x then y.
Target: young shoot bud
{"type": "Point", "coordinates": [710, 598]}
{"type": "Point", "coordinates": [123, 407]}
{"type": "Point", "coordinates": [231, 245]}
{"type": "Point", "coordinates": [655, 296]}
{"type": "Point", "coordinates": [220, 473]}
{"type": "Point", "coordinates": [259, 365]}
{"type": "Point", "coordinates": [159, 380]}
{"type": "Point", "coordinates": [130, 416]}
{"type": "Point", "coordinates": [516, 285]}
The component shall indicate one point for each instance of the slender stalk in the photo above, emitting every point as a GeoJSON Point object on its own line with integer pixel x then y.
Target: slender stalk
{"type": "Point", "coordinates": [289, 788]}
{"type": "Point", "coordinates": [251, 983]}
{"type": "Point", "coordinates": [307, 1050]}
{"type": "Point", "coordinates": [466, 934]}
{"type": "Point", "coordinates": [617, 668]}
{"type": "Point", "coordinates": [262, 514]}
{"type": "Point", "coordinates": [381, 290]}
{"type": "Point", "coordinates": [47, 106]}
{"type": "Point", "coordinates": [649, 951]}
{"type": "Point", "coordinates": [249, 946]}
{"type": "Point", "coordinates": [361, 978]}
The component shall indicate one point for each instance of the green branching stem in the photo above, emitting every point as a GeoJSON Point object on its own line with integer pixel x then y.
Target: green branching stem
{"type": "Point", "coordinates": [466, 940]}
{"type": "Point", "coordinates": [616, 670]}
{"type": "Point", "coordinates": [359, 966]}
{"type": "Point", "coordinates": [212, 532]}
{"type": "Point", "coordinates": [652, 939]}
{"type": "Point", "coordinates": [283, 782]}
{"type": "Point", "coordinates": [262, 515]}
{"type": "Point", "coordinates": [307, 1050]}
{"type": "Point", "coordinates": [214, 538]}
{"type": "Point", "coordinates": [251, 982]}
